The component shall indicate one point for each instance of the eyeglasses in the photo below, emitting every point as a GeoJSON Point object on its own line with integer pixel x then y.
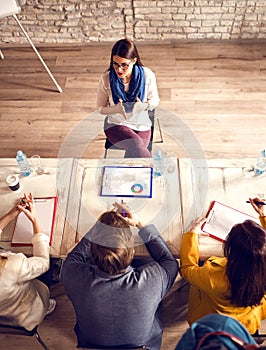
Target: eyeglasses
{"type": "Point", "coordinates": [123, 66]}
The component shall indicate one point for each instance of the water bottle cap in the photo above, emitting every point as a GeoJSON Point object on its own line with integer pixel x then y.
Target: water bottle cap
{"type": "Point", "coordinates": [19, 153]}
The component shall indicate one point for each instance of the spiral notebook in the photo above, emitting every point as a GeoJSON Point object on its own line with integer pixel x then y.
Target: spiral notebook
{"type": "Point", "coordinates": [221, 218]}
{"type": "Point", "coordinates": [46, 210]}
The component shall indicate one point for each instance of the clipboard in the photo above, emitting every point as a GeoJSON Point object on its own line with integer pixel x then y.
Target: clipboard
{"type": "Point", "coordinates": [221, 218]}
{"type": "Point", "coordinates": [125, 181]}
{"type": "Point", "coordinates": [46, 211]}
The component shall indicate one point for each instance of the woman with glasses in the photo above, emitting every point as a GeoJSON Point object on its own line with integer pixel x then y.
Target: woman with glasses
{"type": "Point", "coordinates": [126, 82]}
{"type": "Point", "coordinates": [233, 285]}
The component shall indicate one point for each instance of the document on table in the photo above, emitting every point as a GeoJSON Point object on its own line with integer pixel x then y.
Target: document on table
{"type": "Point", "coordinates": [221, 218]}
{"type": "Point", "coordinates": [46, 210]}
{"type": "Point", "coordinates": [124, 181]}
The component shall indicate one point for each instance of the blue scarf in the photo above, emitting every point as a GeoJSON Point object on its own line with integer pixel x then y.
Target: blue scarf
{"type": "Point", "coordinates": [136, 86]}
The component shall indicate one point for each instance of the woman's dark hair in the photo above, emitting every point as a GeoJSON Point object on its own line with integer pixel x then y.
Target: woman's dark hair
{"type": "Point", "coordinates": [112, 243]}
{"type": "Point", "coordinates": [245, 249]}
{"type": "Point", "coordinates": [127, 49]}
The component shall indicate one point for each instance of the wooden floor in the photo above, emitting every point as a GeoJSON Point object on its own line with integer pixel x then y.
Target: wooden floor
{"type": "Point", "coordinates": [212, 104]}
{"type": "Point", "coordinates": [57, 329]}
{"type": "Point", "coordinates": [212, 99]}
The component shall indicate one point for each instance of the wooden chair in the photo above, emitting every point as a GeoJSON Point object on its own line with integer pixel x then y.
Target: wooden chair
{"type": "Point", "coordinates": [7, 329]}
{"type": "Point", "coordinates": [152, 116]}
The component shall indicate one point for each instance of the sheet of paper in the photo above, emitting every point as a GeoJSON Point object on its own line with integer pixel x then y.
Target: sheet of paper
{"type": "Point", "coordinates": [23, 232]}
{"type": "Point", "coordinates": [137, 114]}
{"type": "Point", "coordinates": [221, 218]}
{"type": "Point", "coordinates": [124, 181]}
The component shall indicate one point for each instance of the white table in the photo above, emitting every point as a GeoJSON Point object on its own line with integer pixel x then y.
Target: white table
{"type": "Point", "coordinates": [86, 205]}
{"type": "Point", "coordinates": [182, 194]}
{"type": "Point", "coordinates": [54, 182]}
{"type": "Point", "coordinates": [229, 181]}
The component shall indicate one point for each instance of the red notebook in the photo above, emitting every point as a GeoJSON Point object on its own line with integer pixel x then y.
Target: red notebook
{"type": "Point", "coordinates": [46, 210]}
{"type": "Point", "coordinates": [221, 218]}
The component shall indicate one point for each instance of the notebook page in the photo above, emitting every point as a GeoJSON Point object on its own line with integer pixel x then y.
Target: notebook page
{"type": "Point", "coordinates": [23, 232]}
{"type": "Point", "coordinates": [221, 218]}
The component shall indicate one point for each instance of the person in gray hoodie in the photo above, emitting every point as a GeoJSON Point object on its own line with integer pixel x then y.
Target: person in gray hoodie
{"type": "Point", "coordinates": [118, 305]}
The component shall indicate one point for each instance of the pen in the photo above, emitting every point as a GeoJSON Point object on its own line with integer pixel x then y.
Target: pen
{"type": "Point", "coordinates": [123, 213]}
{"type": "Point", "coordinates": [23, 201]}
{"type": "Point", "coordinates": [257, 203]}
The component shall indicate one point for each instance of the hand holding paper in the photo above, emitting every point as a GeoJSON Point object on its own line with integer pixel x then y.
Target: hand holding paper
{"type": "Point", "coordinates": [139, 107]}
{"type": "Point", "coordinates": [38, 218]}
{"type": "Point", "coordinates": [117, 111]}
{"type": "Point", "coordinates": [28, 208]}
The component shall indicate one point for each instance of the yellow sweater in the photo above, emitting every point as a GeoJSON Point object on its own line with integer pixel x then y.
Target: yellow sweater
{"type": "Point", "coordinates": [209, 291]}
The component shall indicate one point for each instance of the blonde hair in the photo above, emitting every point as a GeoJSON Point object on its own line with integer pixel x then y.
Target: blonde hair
{"type": "Point", "coordinates": [112, 243]}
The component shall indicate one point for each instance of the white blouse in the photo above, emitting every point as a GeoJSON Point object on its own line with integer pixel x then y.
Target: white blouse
{"type": "Point", "coordinates": [151, 96]}
{"type": "Point", "coordinates": [24, 300]}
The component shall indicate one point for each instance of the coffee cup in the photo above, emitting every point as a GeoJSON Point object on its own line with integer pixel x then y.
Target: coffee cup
{"type": "Point", "coordinates": [13, 182]}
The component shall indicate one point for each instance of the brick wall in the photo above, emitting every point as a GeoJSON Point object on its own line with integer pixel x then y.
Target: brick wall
{"type": "Point", "coordinates": [73, 21]}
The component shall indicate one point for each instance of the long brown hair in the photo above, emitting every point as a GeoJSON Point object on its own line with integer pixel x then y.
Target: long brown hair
{"type": "Point", "coordinates": [245, 249]}
{"type": "Point", "coordinates": [112, 243]}
{"type": "Point", "coordinates": [127, 49]}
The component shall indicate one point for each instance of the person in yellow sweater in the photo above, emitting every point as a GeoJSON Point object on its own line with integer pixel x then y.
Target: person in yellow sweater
{"type": "Point", "coordinates": [233, 285]}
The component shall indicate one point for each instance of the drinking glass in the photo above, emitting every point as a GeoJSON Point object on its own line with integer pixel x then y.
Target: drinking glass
{"type": "Point", "coordinates": [36, 163]}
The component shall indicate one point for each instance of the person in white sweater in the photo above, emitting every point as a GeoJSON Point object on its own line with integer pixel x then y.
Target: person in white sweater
{"type": "Point", "coordinates": [24, 300]}
{"type": "Point", "coordinates": [126, 91]}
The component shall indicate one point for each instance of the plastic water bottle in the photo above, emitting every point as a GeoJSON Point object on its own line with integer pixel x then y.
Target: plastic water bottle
{"type": "Point", "coordinates": [158, 163]}
{"type": "Point", "coordinates": [23, 163]}
{"type": "Point", "coordinates": [260, 166]}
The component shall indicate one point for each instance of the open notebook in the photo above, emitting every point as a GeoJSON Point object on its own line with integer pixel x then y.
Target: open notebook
{"type": "Point", "coordinates": [221, 218]}
{"type": "Point", "coordinates": [46, 210]}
